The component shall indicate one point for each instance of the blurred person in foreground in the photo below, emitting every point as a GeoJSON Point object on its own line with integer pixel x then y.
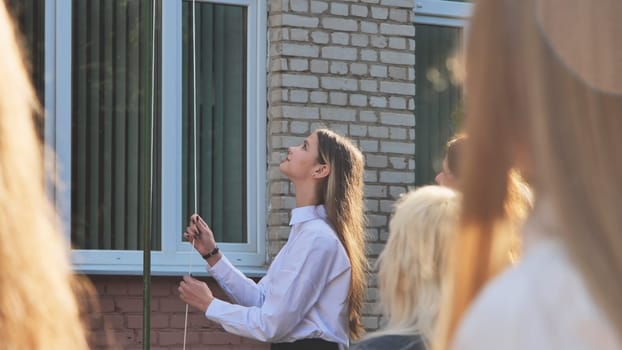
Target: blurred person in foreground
{"type": "Point", "coordinates": [544, 95]}
{"type": "Point", "coordinates": [411, 273]}
{"type": "Point", "coordinates": [39, 304]}
{"type": "Point", "coordinates": [517, 204]}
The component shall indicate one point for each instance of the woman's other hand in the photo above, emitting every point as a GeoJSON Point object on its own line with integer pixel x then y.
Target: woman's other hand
{"type": "Point", "coordinates": [195, 293]}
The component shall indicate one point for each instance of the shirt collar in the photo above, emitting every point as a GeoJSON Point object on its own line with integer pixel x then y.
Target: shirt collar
{"type": "Point", "coordinates": [307, 213]}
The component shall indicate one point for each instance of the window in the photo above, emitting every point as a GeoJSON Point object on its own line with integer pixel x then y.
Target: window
{"type": "Point", "coordinates": [98, 98]}
{"type": "Point", "coordinates": [221, 110]}
{"type": "Point", "coordinates": [439, 30]}
{"type": "Point", "coordinates": [111, 125]}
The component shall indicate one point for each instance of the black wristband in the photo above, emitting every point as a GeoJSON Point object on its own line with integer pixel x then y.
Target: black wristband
{"type": "Point", "coordinates": [212, 253]}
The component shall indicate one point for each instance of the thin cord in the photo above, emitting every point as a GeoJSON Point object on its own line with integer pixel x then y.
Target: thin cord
{"type": "Point", "coordinates": [186, 318]}
{"type": "Point", "coordinates": [194, 140]}
{"type": "Point", "coordinates": [194, 104]}
{"type": "Point", "coordinates": [152, 102]}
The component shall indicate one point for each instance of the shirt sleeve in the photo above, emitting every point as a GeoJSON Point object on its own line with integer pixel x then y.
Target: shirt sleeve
{"type": "Point", "coordinates": [293, 292]}
{"type": "Point", "coordinates": [241, 289]}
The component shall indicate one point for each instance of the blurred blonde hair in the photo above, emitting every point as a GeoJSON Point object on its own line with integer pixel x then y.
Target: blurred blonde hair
{"type": "Point", "coordinates": [517, 205]}
{"type": "Point", "coordinates": [411, 268]}
{"type": "Point", "coordinates": [38, 304]}
{"type": "Point", "coordinates": [525, 107]}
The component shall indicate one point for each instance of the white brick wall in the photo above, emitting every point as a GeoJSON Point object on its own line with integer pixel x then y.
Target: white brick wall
{"type": "Point", "coordinates": [347, 65]}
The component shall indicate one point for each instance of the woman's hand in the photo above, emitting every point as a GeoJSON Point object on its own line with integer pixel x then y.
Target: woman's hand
{"type": "Point", "coordinates": [196, 293]}
{"type": "Point", "coordinates": [199, 232]}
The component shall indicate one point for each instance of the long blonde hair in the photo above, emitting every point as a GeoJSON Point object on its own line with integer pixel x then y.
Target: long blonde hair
{"type": "Point", "coordinates": [342, 195]}
{"type": "Point", "coordinates": [38, 305]}
{"type": "Point", "coordinates": [412, 266]}
{"type": "Point", "coordinates": [517, 205]}
{"type": "Point", "coordinates": [525, 102]}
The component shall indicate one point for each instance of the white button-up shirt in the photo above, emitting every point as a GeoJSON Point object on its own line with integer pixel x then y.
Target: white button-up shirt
{"type": "Point", "coordinates": [541, 304]}
{"type": "Point", "coordinates": [303, 295]}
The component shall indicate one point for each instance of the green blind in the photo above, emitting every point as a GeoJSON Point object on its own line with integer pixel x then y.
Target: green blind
{"type": "Point", "coordinates": [221, 118]}
{"type": "Point", "coordinates": [111, 47]}
{"type": "Point", "coordinates": [437, 99]}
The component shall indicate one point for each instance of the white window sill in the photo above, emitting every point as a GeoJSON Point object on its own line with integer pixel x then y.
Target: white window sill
{"type": "Point", "coordinates": [133, 270]}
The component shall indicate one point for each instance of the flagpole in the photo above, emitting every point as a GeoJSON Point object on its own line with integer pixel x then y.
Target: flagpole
{"type": "Point", "coordinates": [149, 20]}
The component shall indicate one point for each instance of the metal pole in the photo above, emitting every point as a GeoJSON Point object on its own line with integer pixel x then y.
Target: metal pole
{"type": "Point", "coordinates": [149, 13]}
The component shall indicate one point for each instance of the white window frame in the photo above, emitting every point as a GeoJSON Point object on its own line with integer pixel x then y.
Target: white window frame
{"type": "Point", "coordinates": [442, 13]}
{"type": "Point", "coordinates": [175, 256]}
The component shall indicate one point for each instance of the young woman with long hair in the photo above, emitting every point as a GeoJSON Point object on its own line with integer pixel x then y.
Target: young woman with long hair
{"type": "Point", "coordinates": [312, 295]}
{"type": "Point", "coordinates": [544, 95]}
{"type": "Point", "coordinates": [412, 267]}
{"type": "Point", "coordinates": [39, 305]}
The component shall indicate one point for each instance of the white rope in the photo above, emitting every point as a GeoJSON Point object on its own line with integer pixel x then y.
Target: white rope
{"type": "Point", "coordinates": [194, 140]}
{"type": "Point", "coordinates": [186, 318]}
{"type": "Point", "coordinates": [152, 102]}
{"type": "Point", "coordinates": [194, 105]}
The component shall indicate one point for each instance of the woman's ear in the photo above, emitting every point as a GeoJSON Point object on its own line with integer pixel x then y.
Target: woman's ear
{"type": "Point", "coordinates": [322, 170]}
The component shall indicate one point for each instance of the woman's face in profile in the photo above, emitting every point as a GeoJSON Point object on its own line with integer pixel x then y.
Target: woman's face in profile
{"type": "Point", "coordinates": [445, 177]}
{"type": "Point", "coordinates": [301, 159]}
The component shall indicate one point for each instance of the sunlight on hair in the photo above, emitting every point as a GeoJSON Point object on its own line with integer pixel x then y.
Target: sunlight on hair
{"type": "Point", "coordinates": [438, 80]}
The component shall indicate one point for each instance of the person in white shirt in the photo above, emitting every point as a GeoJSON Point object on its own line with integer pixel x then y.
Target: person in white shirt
{"type": "Point", "coordinates": [312, 294]}
{"type": "Point", "coordinates": [544, 95]}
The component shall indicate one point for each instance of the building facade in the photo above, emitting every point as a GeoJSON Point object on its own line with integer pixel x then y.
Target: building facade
{"type": "Point", "coordinates": [119, 80]}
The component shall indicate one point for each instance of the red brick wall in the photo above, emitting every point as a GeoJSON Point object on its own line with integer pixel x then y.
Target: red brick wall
{"type": "Point", "coordinates": [121, 302]}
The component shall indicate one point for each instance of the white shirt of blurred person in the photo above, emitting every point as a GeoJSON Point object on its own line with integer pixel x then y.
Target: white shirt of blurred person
{"type": "Point", "coordinates": [556, 116]}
